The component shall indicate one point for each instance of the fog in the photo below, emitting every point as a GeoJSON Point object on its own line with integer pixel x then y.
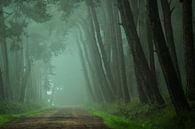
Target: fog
{"type": "Point", "coordinates": [129, 59]}
{"type": "Point", "coordinates": [67, 69]}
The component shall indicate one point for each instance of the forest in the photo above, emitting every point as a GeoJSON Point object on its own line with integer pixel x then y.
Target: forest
{"type": "Point", "coordinates": [97, 64]}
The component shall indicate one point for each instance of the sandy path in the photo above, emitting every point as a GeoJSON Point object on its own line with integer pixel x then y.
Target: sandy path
{"type": "Point", "coordinates": [66, 118]}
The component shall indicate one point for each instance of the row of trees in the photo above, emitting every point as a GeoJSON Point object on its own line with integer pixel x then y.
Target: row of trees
{"type": "Point", "coordinates": [26, 51]}
{"type": "Point", "coordinates": [129, 48]}
{"type": "Point", "coordinates": [127, 38]}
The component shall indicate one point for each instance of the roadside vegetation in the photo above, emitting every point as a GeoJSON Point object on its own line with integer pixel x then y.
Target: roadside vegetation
{"type": "Point", "coordinates": [137, 116]}
{"type": "Point", "coordinates": [10, 111]}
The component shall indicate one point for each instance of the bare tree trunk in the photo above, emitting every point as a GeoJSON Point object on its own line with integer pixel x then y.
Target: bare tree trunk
{"type": "Point", "coordinates": [189, 48]}
{"type": "Point", "coordinates": [2, 94]}
{"type": "Point", "coordinates": [26, 75]}
{"type": "Point", "coordinates": [85, 69]}
{"type": "Point", "coordinates": [5, 54]}
{"type": "Point", "coordinates": [111, 36]}
{"type": "Point", "coordinates": [103, 86]}
{"type": "Point", "coordinates": [152, 63]}
{"type": "Point", "coordinates": [89, 54]}
{"type": "Point", "coordinates": [107, 68]}
{"type": "Point", "coordinates": [122, 64]}
{"type": "Point", "coordinates": [140, 62]}
{"type": "Point", "coordinates": [173, 83]}
{"type": "Point", "coordinates": [167, 12]}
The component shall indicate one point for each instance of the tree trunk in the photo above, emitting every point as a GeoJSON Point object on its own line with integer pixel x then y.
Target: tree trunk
{"type": "Point", "coordinates": [2, 94]}
{"type": "Point", "coordinates": [152, 64]}
{"type": "Point", "coordinates": [107, 68]}
{"type": "Point", "coordinates": [140, 62]}
{"type": "Point", "coordinates": [189, 48]}
{"type": "Point", "coordinates": [122, 65]}
{"type": "Point", "coordinates": [103, 88]}
{"type": "Point", "coordinates": [8, 89]}
{"type": "Point", "coordinates": [89, 54]}
{"type": "Point", "coordinates": [173, 83]}
{"type": "Point", "coordinates": [85, 69]}
{"type": "Point", "coordinates": [26, 75]}
{"type": "Point", "coordinates": [169, 34]}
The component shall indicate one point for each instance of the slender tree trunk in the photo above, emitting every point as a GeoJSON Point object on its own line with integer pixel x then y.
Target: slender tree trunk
{"type": "Point", "coordinates": [85, 70]}
{"type": "Point", "coordinates": [169, 34]}
{"type": "Point", "coordinates": [26, 75]}
{"type": "Point", "coordinates": [189, 48]}
{"type": "Point", "coordinates": [122, 64]}
{"type": "Point", "coordinates": [152, 64]}
{"type": "Point", "coordinates": [173, 83]}
{"type": "Point", "coordinates": [111, 35]}
{"type": "Point", "coordinates": [140, 62]}
{"type": "Point", "coordinates": [104, 85]}
{"type": "Point", "coordinates": [2, 94]}
{"type": "Point", "coordinates": [89, 54]}
{"type": "Point", "coordinates": [107, 68]}
{"type": "Point", "coordinates": [8, 89]}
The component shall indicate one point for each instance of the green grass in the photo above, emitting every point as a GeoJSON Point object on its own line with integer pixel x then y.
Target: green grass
{"type": "Point", "coordinates": [10, 117]}
{"type": "Point", "coordinates": [136, 116]}
{"type": "Point", "coordinates": [10, 111]}
{"type": "Point", "coordinates": [116, 122]}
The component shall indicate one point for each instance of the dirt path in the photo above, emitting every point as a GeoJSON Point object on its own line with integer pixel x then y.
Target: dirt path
{"type": "Point", "coordinates": [66, 118]}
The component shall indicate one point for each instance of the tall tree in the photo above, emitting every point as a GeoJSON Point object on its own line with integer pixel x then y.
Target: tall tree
{"type": "Point", "coordinates": [167, 13]}
{"type": "Point", "coordinates": [140, 62]}
{"type": "Point", "coordinates": [173, 83]}
{"type": "Point", "coordinates": [2, 94]}
{"type": "Point", "coordinates": [101, 48]}
{"type": "Point", "coordinates": [84, 65]}
{"type": "Point", "coordinates": [189, 48]}
{"type": "Point", "coordinates": [4, 50]}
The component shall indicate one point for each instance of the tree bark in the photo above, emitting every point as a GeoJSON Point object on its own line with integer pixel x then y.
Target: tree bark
{"type": "Point", "coordinates": [167, 12]}
{"type": "Point", "coordinates": [152, 63]}
{"type": "Point", "coordinates": [8, 89]}
{"type": "Point", "coordinates": [85, 69]}
{"type": "Point", "coordinates": [140, 62]}
{"type": "Point", "coordinates": [189, 48]}
{"type": "Point", "coordinates": [122, 64]}
{"type": "Point", "coordinates": [2, 94]}
{"type": "Point", "coordinates": [106, 66]}
{"type": "Point", "coordinates": [173, 83]}
{"type": "Point", "coordinates": [26, 75]}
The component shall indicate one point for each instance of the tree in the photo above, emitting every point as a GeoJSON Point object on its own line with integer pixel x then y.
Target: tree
{"type": "Point", "coordinates": [173, 83]}
{"type": "Point", "coordinates": [142, 70]}
{"type": "Point", "coordinates": [189, 48]}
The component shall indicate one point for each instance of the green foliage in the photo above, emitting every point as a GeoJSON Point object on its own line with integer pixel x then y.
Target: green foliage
{"type": "Point", "coordinates": [14, 107]}
{"type": "Point", "coordinates": [5, 3]}
{"type": "Point", "coordinates": [10, 111]}
{"type": "Point", "coordinates": [67, 7]}
{"type": "Point", "coordinates": [136, 116]}
{"type": "Point", "coordinates": [16, 28]}
{"type": "Point", "coordinates": [115, 122]}
{"type": "Point", "coordinates": [36, 10]}
{"type": "Point", "coordinates": [10, 117]}
{"type": "Point", "coordinates": [6, 118]}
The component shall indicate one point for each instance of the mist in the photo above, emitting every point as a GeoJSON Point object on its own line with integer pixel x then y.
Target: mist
{"type": "Point", "coordinates": [67, 69]}
{"type": "Point", "coordinates": [101, 64]}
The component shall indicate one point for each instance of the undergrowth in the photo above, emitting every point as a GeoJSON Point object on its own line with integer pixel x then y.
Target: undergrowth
{"type": "Point", "coordinates": [137, 116]}
{"type": "Point", "coordinates": [10, 111]}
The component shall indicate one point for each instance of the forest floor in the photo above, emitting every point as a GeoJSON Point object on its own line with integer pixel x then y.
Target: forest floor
{"type": "Point", "coordinates": [65, 118]}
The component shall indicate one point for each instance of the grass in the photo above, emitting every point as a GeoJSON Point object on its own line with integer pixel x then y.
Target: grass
{"type": "Point", "coordinates": [136, 116]}
{"type": "Point", "coordinates": [116, 122]}
{"type": "Point", "coordinates": [10, 111]}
